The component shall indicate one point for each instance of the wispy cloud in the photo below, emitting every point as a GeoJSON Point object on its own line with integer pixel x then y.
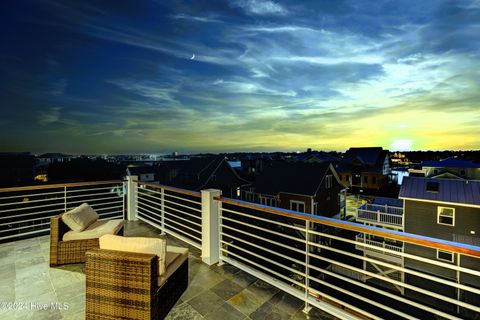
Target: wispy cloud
{"type": "Point", "coordinates": [196, 18]}
{"type": "Point", "coordinates": [259, 7]}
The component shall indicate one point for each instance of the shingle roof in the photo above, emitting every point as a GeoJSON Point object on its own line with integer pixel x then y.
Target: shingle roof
{"type": "Point", "coordinates": [322, 156]}
{"type": "Point", "coordinates": [451, 163]}
{"type": "Point", "coordinates": [388, 201]}
{"type": "Point", "coordinates": [291, 177]}
{"type": "Point", "coordinates": [449, 190]}
{"type": "Point", "coordinates": [141, 170]}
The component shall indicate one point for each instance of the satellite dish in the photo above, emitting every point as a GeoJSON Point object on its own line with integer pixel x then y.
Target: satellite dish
{"type": "Point", "coordinates": [193, 56]}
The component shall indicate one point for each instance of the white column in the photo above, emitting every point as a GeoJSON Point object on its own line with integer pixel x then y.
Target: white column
{"type": "Point", "coordinates": [210, 227]}
{"type": "Point", "coordinates": [132, 198]}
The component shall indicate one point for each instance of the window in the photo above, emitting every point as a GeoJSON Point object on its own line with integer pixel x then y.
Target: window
{"type": "Point", "coordinates": [445, 255]}
{"type": "Point", "coordinates": [328, 181]}
{"type": "Point", "coordinates": [268, 201]}
{"type": "Point", "coordinates": [238, 193]}
{"type": "Point", "coordinates": [446, 216]}
{"type": "Point", "coordinates": [374, 180]}
{"type": "Point", "coordinates": [297, 206]}
{"type": "Point", "coordinates": [365, 179]}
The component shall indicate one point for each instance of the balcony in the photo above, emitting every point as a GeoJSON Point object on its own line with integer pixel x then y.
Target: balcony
{"type": "Point", "coordinates": [383, 215]}
{"type": "Point", "coordinates": [380, 249]}
{"type": "Point", "coordinates": [246, 260]}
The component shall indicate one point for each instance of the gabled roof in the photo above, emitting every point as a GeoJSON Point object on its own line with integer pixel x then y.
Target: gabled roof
{"type": "Point", "coordinates": [454, 191]}
{"type": "Point", "coordinates": [451, 163]}
{"type": "Point", "coordinates": [290, 177]}
{"type": "Point", "coordinates": [371, 158]}
{"type": "Point", "coordinates": [321, 156]}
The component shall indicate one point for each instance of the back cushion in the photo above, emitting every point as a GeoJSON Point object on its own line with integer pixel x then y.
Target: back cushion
{"type": "Point", "coordinates": [155, 246]}
{"type": "Point", "coordinates": [80, 218]}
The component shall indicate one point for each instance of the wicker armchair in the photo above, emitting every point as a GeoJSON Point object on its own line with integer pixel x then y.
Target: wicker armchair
{"type": "Point", "coordinates": [125, 285]}
{"type": "Point", "coordinates": [65, 252]}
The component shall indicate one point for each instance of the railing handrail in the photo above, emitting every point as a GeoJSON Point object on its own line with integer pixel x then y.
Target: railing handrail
{"type": "Point", "coordinates": [177, 190]}
{"type": "Point", "coordinates": [434, 243]}
{"type": "Point", "coordinates": [60, 185]}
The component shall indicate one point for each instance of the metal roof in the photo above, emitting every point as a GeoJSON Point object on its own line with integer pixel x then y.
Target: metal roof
{"type": "Point", "coordinates": [450, 163]}
{"type": "Point", "coordinates": [449, 190]}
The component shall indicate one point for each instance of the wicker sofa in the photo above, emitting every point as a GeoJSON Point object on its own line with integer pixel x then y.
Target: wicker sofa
{"type": "Point", "coordinates": [69, 246]}
{"type": "Point", "coordinates": [127, 285]}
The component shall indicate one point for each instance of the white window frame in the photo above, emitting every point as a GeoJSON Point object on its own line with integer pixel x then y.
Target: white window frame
{"type": "Point", "coordinates": [296, 202]}
{"type": "Point", "coordinates": [328, 181]}
{"type": "Point", "coordinates": [439, 214]}
{"type": "Point", "coordinates": [448, 252]}
{"type": "Point", "coordinates": [268, 201]}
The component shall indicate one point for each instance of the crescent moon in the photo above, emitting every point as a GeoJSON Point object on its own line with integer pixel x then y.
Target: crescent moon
{"type": "Point", "coordinates": [193, 56]}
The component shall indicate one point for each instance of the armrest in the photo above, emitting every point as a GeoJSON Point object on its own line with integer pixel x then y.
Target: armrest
{"type": "Point", "coordinates": [57, 228]}
{"type": "Point", "coordinates": [126, 269]}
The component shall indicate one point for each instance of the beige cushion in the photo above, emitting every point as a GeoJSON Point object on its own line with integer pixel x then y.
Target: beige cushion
{"type": "Point", "coordinates": [156, 246]}
{"type": "Point", "coordinates": [80, 218]}
{"type": "Point", "coordinates": [174, 258]}
{"type": "Point", "coordinates": [95, 230]}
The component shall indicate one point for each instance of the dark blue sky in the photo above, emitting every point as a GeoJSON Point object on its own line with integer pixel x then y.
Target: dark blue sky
{"type": "Point", "coordinates": [119, 76]}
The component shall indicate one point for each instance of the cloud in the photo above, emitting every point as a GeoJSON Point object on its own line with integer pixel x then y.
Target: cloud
{"type": "Point", "coordinates": [196, 18]}
{"type": "Point", "coordinates": [259, 7]}
{"type": "Point", "coordinates": [49, 116]}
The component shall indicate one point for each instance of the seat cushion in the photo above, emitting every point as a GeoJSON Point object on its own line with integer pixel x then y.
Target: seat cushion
{"type": "Point", "coordinates": [80, 218]}
{"type": "Point", "coordinates": [95, 230]}
{"type": "Point", "coordinates": [157, 246]}
{"type": "Point", "coordinates": [174, 258]}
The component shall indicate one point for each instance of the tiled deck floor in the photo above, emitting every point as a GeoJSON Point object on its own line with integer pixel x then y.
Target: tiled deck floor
{"type": "Point", "coordinates": [215, 292]}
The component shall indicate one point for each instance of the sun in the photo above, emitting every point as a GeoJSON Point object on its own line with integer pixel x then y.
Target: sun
{"type": "Point", "coordinates": [402, 145]}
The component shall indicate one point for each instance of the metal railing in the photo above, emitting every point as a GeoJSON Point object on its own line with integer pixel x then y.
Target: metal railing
{"type": "Point", "coordinates": [174, 211]}
{"type": "Point", "coordinates": [26, 211]}
{"type": "Point", "coordinates": [295, 252]}
{"type": "Point", "coordinates": [381, 214]}
{"type": "Point", "coordinates": [379, 244]}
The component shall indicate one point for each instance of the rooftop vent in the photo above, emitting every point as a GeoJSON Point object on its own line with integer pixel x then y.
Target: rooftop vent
{"type": "Point", "coordinates": [433, 186]}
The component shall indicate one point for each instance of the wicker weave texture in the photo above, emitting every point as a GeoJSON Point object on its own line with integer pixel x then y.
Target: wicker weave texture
{"type": "Point", "coordinates": [123, 285]}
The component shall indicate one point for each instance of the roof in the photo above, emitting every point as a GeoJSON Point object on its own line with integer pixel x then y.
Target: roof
{"type": "Point", "coordinates": [451, 163]}
{"type": "Point", "coordinates": [370, 158]}
{"type": "Point", "coordinates": [321, 156]}
{"type": "Point", "coordinates": [140, 170]}
{"type": "Point", "coordinates": [290, 177]}
{"type": "Point", "coordinates": [52, 155]}
{"type": "Point", "coordinates": [392, 202]}
{"type": "Point", "coordinates": [449, 190]}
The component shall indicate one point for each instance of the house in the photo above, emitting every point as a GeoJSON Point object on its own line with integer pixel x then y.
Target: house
{"type": "Point", "coordinates": [365, 168]}
{"type": "Point", "coordinates": [306, 187]}
{"type": "Point", "coordinates": [201, 173]}
{"type": "Point", "coordinates": [452, 168]}
{"type": "Point", "coordinates": [447, 209]}
{"type": "Point", "coordinates": [316, 156]}
{"type": "Point", "coordinates": [48, 158]}
{"type": "Point", "coordinates": [16, 168]}
{"type": "Point", "coordinates": [144, 173]}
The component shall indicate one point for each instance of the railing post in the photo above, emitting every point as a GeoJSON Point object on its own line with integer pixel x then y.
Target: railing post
{"type": "Point", "coordinates": [210, 226]}
{"type": "Point", "coordinates": [162, 209]}
{"type": "Point", "coordinates": [307, 307]}
{"type": "Point", "coordinates": [132, 198]}
{"type": "Point", "coordinates": [65, 199]}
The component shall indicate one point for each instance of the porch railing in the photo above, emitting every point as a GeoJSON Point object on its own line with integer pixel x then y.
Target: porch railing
{"type": "Point", "coordinates": [381, 214]}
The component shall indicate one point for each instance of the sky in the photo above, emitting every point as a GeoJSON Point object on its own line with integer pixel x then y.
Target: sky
{"type": "Point", "coordinates": [248, 75]}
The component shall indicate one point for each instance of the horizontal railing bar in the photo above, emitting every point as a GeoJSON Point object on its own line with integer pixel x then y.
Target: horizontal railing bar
{"type": "Point", "coordinates": [92, 200]}
{"type": "Point", "coordinates": [302, 263]}
{"type": "Point", "coordinates": [174, 234]}
{"type": "Point", "coordinates": [182, 205]}
{"type": "Point", "coordinates": [25, 227]}
{"type": "Point", "coordinates": [266, 230]}
{"type": "Point", "coordinates": [266, 220]}
{"type": "Point", "coordinates": [184, 226]}
{"type": "Point", "coordinates": [165, 206]}
{"type": "Point", "coordinates": [30, 201]}
{"type": "Point", "coordinates": [108, 208]}
{"type": "Point", "coordinates": [462, 248]}
{"type": "Point", "coordinates": [32, 207]}
{"type": "Point", "coordinates": [94, 205]}
{"type": "Point", "coordinates": [28, 220]}
{"type": "Point", "coordinates": [169, 195]}
{"type": "Point", "coordinates": [92, 195]}
{"type": "Point", "coordinates": [34, 213]}
{"type": "Point", "coordinates": [93, 189]}
{"type": "Point", "coordinates": [24, 234]}
{"type": "Point", "coordinates": [173, 189]}
{"type": "Point", "coordinates": [348, 305]}
{"type": "Point", "coordinates": [32, 195]}
{"type": "Point", "coordinates": [183, 212]}
{"type": "Point", "coordinates": [109, 213]}
{"type": "Point", "coordinates": [60, 185]}
{"type": "Point", "coordinates": [397, 267]}
{"type": "Point", "coordinates": [403, 254]}
{"type": "Point", "coordinates": [140, 202]}
{"type": "Point", "coordinates": [262, 267]}
{"type": "Point", "coordinates": [263, 239]}
{"type": "Point", "coordinates": [399, 283]}
{"type": "Point", "coordinates": [165, 218]}
{"type": "Point", "coordinates": [382, 292]}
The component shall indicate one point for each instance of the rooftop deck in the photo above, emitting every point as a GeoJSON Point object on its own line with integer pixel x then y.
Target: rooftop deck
{"type": "Point", "coordinates": [217, 292]}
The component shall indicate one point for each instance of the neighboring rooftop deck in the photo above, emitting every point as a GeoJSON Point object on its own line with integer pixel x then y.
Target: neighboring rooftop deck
{"type": "Point", "coordinates": [217, 292]}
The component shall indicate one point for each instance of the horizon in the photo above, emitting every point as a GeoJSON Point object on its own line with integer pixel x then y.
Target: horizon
{"type": "Point", "coordinates": [239, 76]}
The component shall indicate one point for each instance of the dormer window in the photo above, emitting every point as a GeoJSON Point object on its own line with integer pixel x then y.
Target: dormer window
{"type": "Point", "coordinates": [432, 186]}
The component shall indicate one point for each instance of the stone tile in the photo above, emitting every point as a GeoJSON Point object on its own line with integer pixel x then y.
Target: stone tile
{"type": "Point", "coordinates": [226, 311]}
{"type": "Point", "coordinates": [206, 302]}
{"type": "Point", "coordinates": [184, 311]}
{"type": "Point", "coordinates": [206, 279]}
{"type": "Point", "coordinates": [269, 311]}
{"type": "Point", "coordinates": [28, 262]}
{"type": "Point", "coordinates": [226, 270]}
{"type": "Point", "coordinates": [243, 279]}
{"type": "Point", "coordinates": [314, 314]}
{"type": "Point", "coordinates": [28, 287]}
{"type": "Point", "coordinates": [263, 290]}
{"type": "Point", "coordinates": [245, 301]}
{"type": "Point", "coordinates": [287, 303]}
{"type": "Point", "coordinates": [227, 289]}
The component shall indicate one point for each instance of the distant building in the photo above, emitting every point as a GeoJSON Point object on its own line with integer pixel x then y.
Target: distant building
{"type": "Point", "coordinates": [201, 173]}
{"type": "Point", "coordinates": [316, 157]}
{"type": "Point", "coordinates": [451, 168]}
{"type": "Point", "coordinates": [365, 168]}
{"type": "Point", "coordinates": [48, 158]}
{"type": "Point", "coordinates": [144, 173]}
{"type": "Point", "coordinates": [305, 187]}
